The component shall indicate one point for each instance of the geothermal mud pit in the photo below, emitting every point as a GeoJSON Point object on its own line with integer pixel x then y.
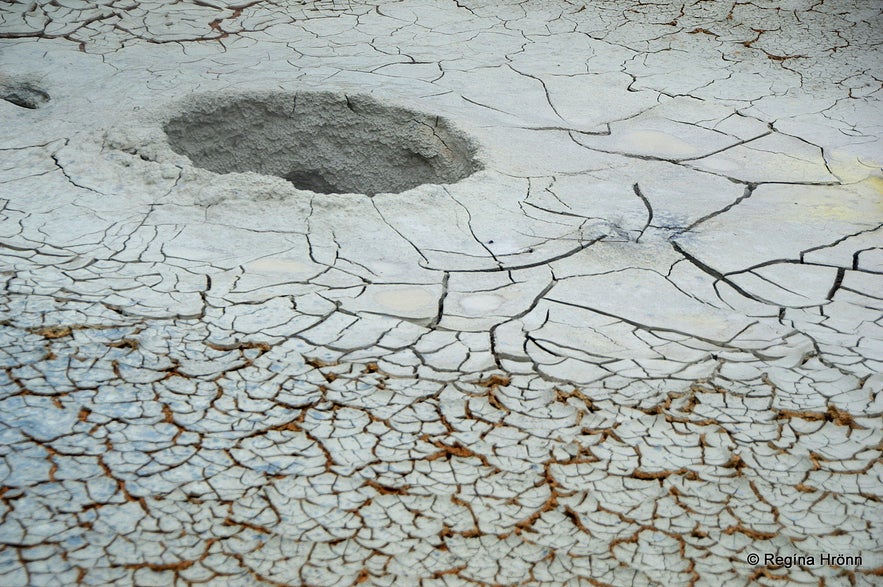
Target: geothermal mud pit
{"type": "Point", "coordinates": [322, 142]}
{"type": "Point", "coordinates": [440, 294]}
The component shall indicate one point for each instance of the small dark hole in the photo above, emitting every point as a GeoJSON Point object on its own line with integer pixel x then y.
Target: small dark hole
{"type": "Point", "coordinates": [25, 96]}
{"type": "Point", "coordinates": [313, 181]}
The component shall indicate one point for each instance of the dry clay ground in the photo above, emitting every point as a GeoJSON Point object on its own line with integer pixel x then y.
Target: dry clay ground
{"type": "Point", "coordinates": [440, 292]}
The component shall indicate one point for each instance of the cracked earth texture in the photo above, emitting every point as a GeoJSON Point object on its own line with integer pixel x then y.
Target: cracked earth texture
{"type": "Point", "coordinates": [641, 342]}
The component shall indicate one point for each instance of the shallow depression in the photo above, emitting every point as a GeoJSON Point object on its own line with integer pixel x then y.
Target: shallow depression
{"type": "Point", "coordinates": [322, 141]}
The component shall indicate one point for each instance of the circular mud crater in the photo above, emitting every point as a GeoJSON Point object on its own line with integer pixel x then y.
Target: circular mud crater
{"type": "Point", "coordinates": [321, 141]}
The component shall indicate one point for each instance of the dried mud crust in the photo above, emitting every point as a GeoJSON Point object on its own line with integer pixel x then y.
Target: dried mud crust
{"type": "Point", "coordinates": [321, 141]}
{"type": "Point", "coordinates": [640, 347]}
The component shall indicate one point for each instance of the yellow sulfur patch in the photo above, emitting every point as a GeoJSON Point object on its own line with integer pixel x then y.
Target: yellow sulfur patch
{"type": "Point", "coordinates": [407, 301]}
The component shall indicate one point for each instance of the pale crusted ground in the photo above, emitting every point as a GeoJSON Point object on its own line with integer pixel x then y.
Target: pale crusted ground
{"type": "Point", "coordinates": [642, 343]}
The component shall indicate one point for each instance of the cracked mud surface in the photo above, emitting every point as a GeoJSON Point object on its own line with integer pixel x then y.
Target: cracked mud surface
{"type": "Point", "coordinates": [643, 341]}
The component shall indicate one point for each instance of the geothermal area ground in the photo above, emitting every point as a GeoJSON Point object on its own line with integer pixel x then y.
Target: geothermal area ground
{"type": "Point", "coordinates": [440, 293]}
